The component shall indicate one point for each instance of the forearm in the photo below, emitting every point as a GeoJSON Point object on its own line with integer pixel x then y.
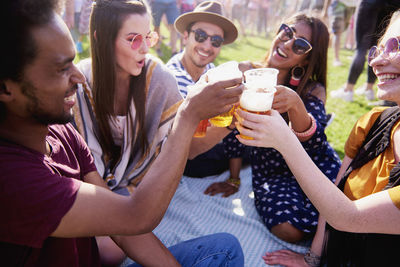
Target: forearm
{"type": "Point", "coordinates": [299, 119]}
{"type": "Point", "coordinates": [158, 186]}
{"type": "Point", "coordinates": [374, 213]}
{"type": "Point", "coordinates": [337, 209]}
{"type": "Point", "coordinates": [146, 250]}
{"type": "Point", "coordinates": [318, 241]}
{"type": "Point", "coordinates": [213, 136]}
{"type": "Point", "coordinates": [319, 237]}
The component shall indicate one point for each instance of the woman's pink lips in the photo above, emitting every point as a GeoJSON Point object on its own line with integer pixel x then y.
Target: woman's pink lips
{"type": "Point", "coordinates": [140, 63]}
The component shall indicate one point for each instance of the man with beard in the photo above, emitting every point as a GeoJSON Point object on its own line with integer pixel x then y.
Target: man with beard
{"type": "Point", "coordinates": [53, 201]}
{"type": "Point", "coordinates": [204, 31]}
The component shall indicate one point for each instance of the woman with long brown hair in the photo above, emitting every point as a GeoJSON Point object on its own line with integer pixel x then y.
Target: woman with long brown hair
{"type": "Point", "coordinates": [363, 210]}
{"type": "Point", "coordinates": [123, 84]}
{"type": "Point", "coordinates": [299, 52]}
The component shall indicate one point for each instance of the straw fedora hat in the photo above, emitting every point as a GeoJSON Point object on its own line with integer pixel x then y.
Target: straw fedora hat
{"type": "Point", "coordinates": [208, 11]}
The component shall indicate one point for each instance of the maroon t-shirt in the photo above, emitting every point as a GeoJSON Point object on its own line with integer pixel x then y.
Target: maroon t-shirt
{"type": "Point", "coordinates": [36, 191]}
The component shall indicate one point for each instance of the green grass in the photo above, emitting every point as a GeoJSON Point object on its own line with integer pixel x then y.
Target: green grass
{"type": "Point", "coordinates": [254, 48]}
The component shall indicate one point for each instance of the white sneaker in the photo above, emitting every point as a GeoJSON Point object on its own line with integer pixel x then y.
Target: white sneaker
{"type": "Point", "coordinates": [341, 93]}
{"type": "Point", "coordinates": [337, 63]}
{"type": "Point", "coordinates": [369, 94]}
{"type": "Point", "coordinates": [360, 90]}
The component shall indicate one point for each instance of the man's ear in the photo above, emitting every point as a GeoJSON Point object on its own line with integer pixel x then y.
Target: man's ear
{"type": "Point", "coordinates": [185, 37]}
{"type": "Point", "coordinates": [6, 90]}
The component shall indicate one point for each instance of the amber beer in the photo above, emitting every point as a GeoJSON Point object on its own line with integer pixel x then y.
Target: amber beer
{"type": "Point", "coordinates": [222, 120]}
{"type": "Point", "coordinates": [201, 129]}
{"type": "Point", "coordinates": [257, 100]}
{"type": "Point", "coordinates": [225, 71]}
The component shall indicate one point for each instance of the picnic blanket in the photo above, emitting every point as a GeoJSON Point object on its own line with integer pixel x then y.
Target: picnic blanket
{"type": "Point", "coordinates": [192, 214]}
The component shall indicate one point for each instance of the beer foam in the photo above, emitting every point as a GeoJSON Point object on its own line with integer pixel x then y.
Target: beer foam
{"type": "Point", "coordinates": [257, 101]}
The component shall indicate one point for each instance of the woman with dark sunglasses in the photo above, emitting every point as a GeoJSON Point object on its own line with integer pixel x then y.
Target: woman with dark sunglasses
{"type": "Point", "coordinates": [363, 212]}
{"type": "Point", "coordinates": [299, 52]}
{"type": "Point", "coordinates": [126, 111]}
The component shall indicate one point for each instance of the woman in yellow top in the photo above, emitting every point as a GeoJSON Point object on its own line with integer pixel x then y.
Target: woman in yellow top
{"type": "Point", "coordinates": [366, 212]}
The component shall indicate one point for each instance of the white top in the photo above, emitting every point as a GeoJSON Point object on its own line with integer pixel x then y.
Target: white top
{"type": "Point", "coordinates": [117, 125]}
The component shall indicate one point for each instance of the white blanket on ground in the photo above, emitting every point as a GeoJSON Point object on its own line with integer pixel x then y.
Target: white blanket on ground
{"type": "Point", "coordinates": [192, 214]}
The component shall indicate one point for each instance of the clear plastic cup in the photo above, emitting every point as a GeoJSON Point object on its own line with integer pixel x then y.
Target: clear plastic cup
{"type": "Point", "coordinates": [257, 101]}
{"type": "Point", "coordinates": [226, 71]}
{"type": "Point", "coordinates": [201, 129]}
{"type": "Point", "coordinates": [259, 91]}
{"type": "Point", "coordinates": [266, 76]}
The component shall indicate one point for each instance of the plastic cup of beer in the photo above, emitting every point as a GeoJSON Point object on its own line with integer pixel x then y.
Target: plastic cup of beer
{"type": "Point", "coordinates": [201, 129]}
{"type": "Point", "coordinates": [225, 71]}
{"type": "Point", "coordinates": [259, 93]}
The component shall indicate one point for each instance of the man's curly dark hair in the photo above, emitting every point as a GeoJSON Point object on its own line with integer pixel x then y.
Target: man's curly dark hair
{"type": "Point", "coordinates": [17, 19]}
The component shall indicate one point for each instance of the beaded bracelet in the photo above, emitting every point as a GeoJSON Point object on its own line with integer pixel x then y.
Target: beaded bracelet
{"type": "Point", "coordinates": [233, 182]}
{"type": "Point", "coordinates": [308, 132]}
{"type": "Point", "coordinates": [312, 259]}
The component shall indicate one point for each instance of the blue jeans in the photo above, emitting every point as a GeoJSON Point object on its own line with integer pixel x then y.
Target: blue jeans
{"type": "Point", "coordinates": [214, 250]}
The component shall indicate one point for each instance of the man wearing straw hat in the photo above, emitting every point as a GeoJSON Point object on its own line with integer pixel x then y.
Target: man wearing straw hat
{"type": "Point", "coordinates": [205, 30]}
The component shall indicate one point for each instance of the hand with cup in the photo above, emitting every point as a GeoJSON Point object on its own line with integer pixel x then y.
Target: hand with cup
{"type": "Point", "coordinates": [259, 91]}
{"type": "Point", "coordinates": [286, 99]}
{"type": "Point", "coordinates": [210, 99]}
{"type": "Point", "coordinates": [225, 71]}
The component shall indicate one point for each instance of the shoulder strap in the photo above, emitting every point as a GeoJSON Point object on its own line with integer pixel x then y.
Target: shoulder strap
{"type": "Point", "coordinates": [394, 177]}
{"type": "Point", "coordinates": [376, 141]}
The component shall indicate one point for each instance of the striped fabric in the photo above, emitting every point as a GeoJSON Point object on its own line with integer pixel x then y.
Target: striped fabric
{"type": "Point", "coordinates": [162, 102]}
{"type": "Point", "coordinates": [192, 214]}
{"type": "Point", "coordinates": [182, 77]}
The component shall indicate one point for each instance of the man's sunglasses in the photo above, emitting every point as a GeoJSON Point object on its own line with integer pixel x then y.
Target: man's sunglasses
{"type": "Point", "coordinates": [300, 45]}
{"type": "Point", "coordinates": [200, 36]}
{"type": "Point", "coordinates": [389, 51]}
{"type": "Point", "coordinates": [151, 39]}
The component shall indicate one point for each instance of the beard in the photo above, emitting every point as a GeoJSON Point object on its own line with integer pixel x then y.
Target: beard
{"type": "Point", "coordinates": [38, 113]}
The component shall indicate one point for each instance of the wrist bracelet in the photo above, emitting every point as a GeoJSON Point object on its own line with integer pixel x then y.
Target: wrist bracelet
{"type": "Point", "coordinates": [312, 259]}
{"type": "Point", "coordinates": [308, 132]}
{"type": "Point", "coordinates": [233, 182]}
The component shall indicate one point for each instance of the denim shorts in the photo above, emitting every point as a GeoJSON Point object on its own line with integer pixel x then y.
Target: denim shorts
{"type": "Point", "coordinates": [169, 9]}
